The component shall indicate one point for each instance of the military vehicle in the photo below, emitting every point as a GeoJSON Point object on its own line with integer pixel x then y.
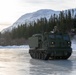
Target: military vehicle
{"type": "Point", "coordinates": [50, 45]}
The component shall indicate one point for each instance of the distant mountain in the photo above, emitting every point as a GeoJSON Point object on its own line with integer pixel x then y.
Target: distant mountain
{"type": "Point", "coordinates": [31, 17]}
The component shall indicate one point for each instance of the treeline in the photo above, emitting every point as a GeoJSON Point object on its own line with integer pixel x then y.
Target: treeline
{"type": "Point", "coordinates": [65, 21]}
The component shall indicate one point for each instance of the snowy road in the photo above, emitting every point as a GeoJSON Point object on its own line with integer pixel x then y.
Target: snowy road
{"type": "Point", "coordinates": [17, 61]}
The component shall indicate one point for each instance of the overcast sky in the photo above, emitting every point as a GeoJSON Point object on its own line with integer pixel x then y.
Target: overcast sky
{"type": "Point", "coordinates": [11, 10]}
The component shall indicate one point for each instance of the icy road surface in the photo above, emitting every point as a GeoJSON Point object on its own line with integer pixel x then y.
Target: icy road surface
{"type": "Point", "coordinates": [17, 61]}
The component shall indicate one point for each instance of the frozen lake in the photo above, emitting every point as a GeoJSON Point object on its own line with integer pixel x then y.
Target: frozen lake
{"type": "Point", "coordinates": [17, 61]}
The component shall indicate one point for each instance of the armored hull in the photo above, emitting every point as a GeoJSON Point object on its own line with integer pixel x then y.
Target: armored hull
{"type": "Point", "coordinates": [50, 46]}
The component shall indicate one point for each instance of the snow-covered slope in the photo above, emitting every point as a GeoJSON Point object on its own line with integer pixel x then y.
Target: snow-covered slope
{"type": "Point", "coordinates": [34, 16]}
{"type": "Point", "coordinates": [30, 17]}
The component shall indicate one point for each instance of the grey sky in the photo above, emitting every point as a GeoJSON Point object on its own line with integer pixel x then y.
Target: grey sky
{"type": "Point", "coordinates": [54, 4]}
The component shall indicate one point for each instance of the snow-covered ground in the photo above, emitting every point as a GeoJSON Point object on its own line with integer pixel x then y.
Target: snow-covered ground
{"type": "Point", "coordinates": [15, 60]}
{"type": "Point", "coordinates": [15, 46]}
{"type": "Point", "coordinates": [73, 44]}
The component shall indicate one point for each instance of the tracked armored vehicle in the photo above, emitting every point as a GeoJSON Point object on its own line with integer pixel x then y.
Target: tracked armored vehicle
{"type": "Point", "coordinates": [50, 46]}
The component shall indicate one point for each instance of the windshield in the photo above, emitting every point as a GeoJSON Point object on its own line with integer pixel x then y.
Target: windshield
{"type": "Point", "coordinates": [55, 36]}
{"type": "Point", "coordinates": [59, 36]}
{"type": "Point", "coordinates": [66, 37]}
{"type": "Point", "coordinates": [51, 36]}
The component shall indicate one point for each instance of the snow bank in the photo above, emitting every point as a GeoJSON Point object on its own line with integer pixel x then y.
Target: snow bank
{"type": "Point", "coordinates": [15, 46]}
{"type": "Point", "coordinates": [73, 46]}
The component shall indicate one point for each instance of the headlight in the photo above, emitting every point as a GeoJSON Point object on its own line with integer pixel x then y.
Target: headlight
{"type": "Point", "coordinates": [52, 43]}
{"type": "Point", "coordinates": [68, 42]}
